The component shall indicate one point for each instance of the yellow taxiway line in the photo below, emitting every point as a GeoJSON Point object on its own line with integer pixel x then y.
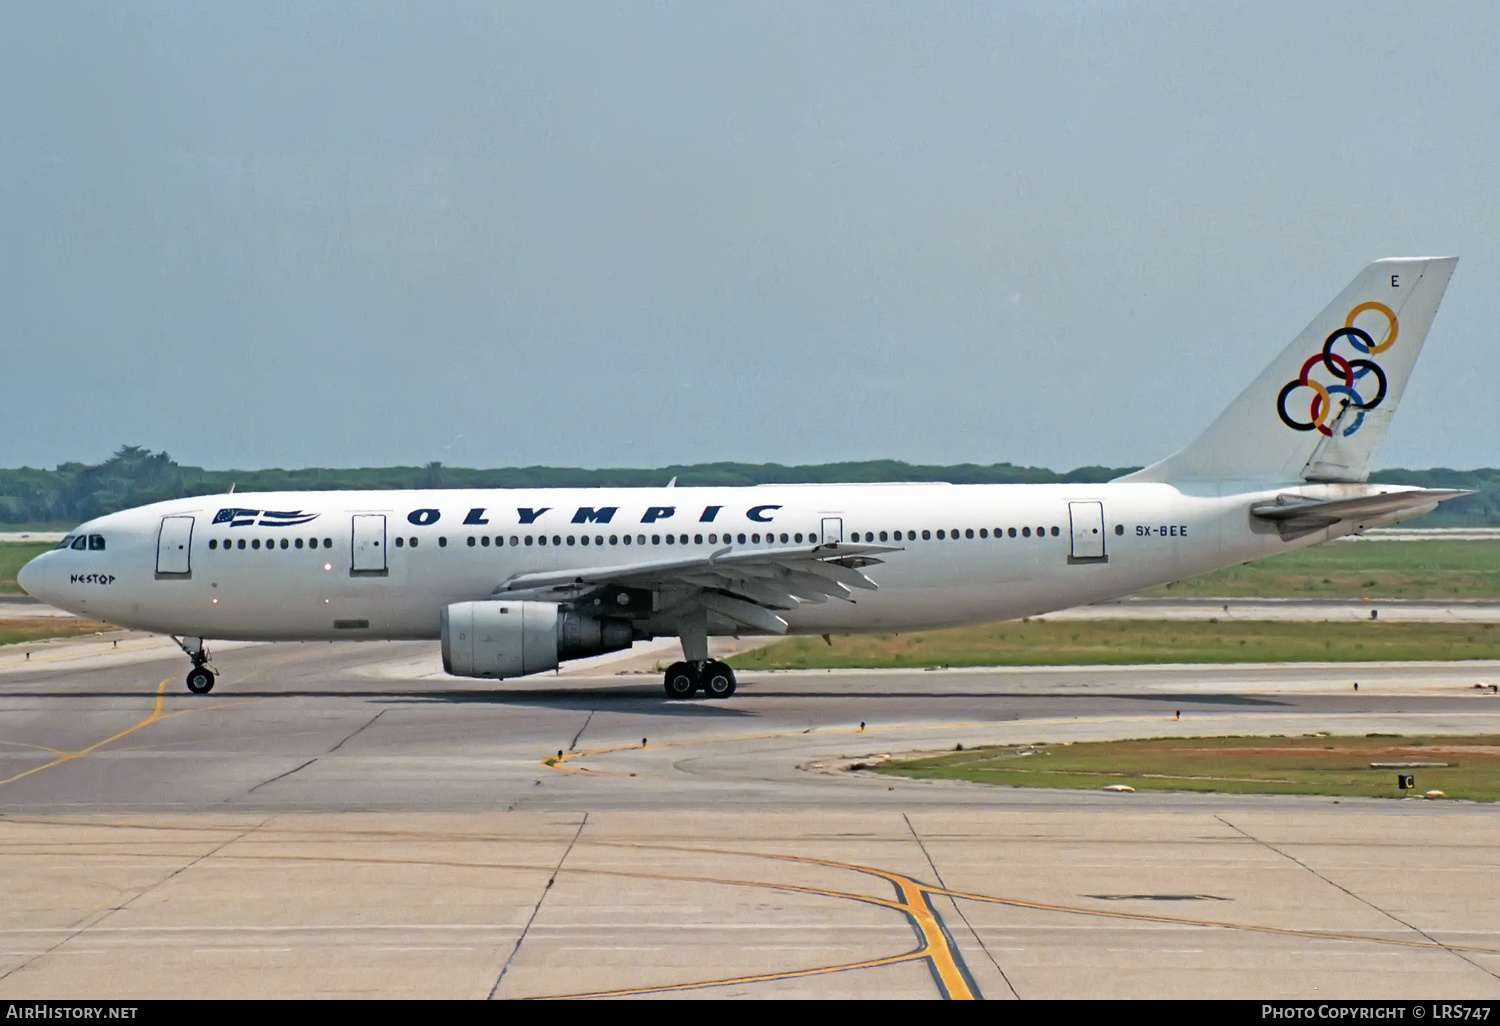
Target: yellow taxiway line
{"type": "Point", "coordinates": [63, 757]}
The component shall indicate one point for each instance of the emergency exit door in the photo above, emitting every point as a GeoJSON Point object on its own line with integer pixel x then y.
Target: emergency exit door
{"type": "Point", "coordinates": [368, 558]}
{"type": "Point", "coordinates": [833, 529]}
{"type": "Point", "coordinates": [1087, 519]}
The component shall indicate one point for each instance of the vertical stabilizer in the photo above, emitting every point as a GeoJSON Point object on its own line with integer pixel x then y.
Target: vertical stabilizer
{"type": "Point", "coordinates": [1319, 411]}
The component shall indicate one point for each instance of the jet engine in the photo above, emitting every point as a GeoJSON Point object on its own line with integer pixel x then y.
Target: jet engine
{"type": "Point", "coordinates": [512, 639]}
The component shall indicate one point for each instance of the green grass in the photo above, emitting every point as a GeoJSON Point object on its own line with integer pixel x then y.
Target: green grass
{"type": "Point", "coordinates": [1363, 569]}
{"type": "Point", "coordinates": [1084, 642]}
{"type": "Point", "coordinates": [16, 632]}
{"type": "Point", "coordinates": [1338, 766]}
{"type": "Point", "coordinates": [13, 556]}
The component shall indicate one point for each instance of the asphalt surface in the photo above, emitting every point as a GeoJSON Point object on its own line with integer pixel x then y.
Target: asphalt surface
{"type": "Point", "coordinates": [345, 820]}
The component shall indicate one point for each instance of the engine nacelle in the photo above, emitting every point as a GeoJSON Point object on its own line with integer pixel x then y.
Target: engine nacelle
{"type": "Point", "coordinates": [512, 639]}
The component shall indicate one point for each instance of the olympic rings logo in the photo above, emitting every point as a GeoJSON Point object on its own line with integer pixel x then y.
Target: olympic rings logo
{"type": "Point", "coordinates": [1351, 375]}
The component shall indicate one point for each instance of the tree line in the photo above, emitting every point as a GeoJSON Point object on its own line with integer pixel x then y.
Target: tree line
{"type": "Point", "coordinates": [135, 476]}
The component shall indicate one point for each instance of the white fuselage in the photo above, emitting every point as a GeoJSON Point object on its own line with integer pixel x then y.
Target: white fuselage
{"type": "Point", "coordinates": [310, 565]}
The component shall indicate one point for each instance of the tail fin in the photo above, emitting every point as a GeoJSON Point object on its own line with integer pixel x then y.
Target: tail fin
{"type": "Point", "coordinates": [1319, 411]}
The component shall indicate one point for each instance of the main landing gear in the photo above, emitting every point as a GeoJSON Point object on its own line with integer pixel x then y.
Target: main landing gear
{"type": "Point", "coordinates": [713, 678]}
{"type": "Point", "coordinates": [200, 679]}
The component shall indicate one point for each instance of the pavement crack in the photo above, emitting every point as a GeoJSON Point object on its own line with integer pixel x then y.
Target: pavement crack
{"type": "Point", "coordinates": [1363, 901]}
{"type": "Point", "coordinates": [135, 897]}
{"type": "Point", "coordinates": [356, 730]}
{"type": "Point", "coordinates": [543, 897]}
{"type": "Point", "coordinates": [282, 776]}
{"type": "Point", "coordinates": [937, 874]}
{"type": "Point", "coordinates": [574, 743]}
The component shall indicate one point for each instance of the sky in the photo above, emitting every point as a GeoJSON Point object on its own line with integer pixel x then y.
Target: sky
{"type": "Point", "coordinates": [634, 234]}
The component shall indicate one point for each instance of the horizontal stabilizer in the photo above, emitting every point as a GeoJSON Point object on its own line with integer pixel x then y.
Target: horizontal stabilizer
{"type": "Point", "coordinates": [1299, 513]}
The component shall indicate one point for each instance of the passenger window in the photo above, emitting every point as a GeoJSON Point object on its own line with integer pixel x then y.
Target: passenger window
{"type": "Point", "coordinates": [528, 539]}
{"type": "Point", "coordinates": [598, 539]}
{"type": "Point", "coordinates": [940, 534]}
{"type": "Point", "coordinates": [328, 543]}
{"type": "Point", "coordinates": [671, 540]}
{"type": "Point", "coordinates": [298, 543]}
{"type": "Point", "coordinates": [484, 541]}
{"type": "Point", "coordinates": [882, 536]}
{"type": "Point", "coordinates": [412, 542]}
{"type": "Point", "coordinates": [213, 544]}
{"type": "Point", "coordinates": [96, 543]}
{"type": "Point", "coordinates": [656, 539]}
{"type": "Point", "coordinates": [81, 542]}
{"type": "Point", "coordinates": [969, 532]}
{"type": "Point", "coordinates": [571, 540]}
{"type": "Point", "coordinates": [472, 542]}
{"type": "Point", "coordinates": [783, 539]}
{"type": "Point", "coordinates": [742, 539]}
{"type": "Point", "coordinates": [541, 539]}
{"type": "Point", "coordinates": [1025, 532]}
{"type": "Point", "coordinates": [984, 532]}
{"type": "Point", "coordinates": [285, 544]}
{"type": "Point", "coordinates": [1054, 532]}
{"type": "Point", "coordinates": [614, 539]}
{"type": "Point", "coordinates": [640, 539]}
{"type": "Point", "coordinates": [442, 542]}
{"type": "Point", "coordinates": [514, 541]}
{"type": "Point", "coordinates": [556, 539]}
{"type": "Point", "coordinates": [255, 544]}
{"type": "Point", "coordinates": [242, 543]}
{"type": "Point", "coordinates": [1119, 529]}
{"type": "Point", "coordinates": [926, 535]}
{"type": "Point", "coordinates": [697, 539]}
{"type": "Point", "coordinates": [1011, 532]}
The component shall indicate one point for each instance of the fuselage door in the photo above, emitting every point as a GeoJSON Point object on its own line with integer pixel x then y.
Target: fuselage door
{"type": "Point", "coordinates": [1088, 532]}
{"type": "Point", "coordinates": [369, 545]}
{"type": "Point", "coordinates": [833, 529]}
{"type": "Point", "coordinates": [174, 547]}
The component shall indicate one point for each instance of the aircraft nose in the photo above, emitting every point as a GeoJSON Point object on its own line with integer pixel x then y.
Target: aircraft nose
{"type": "Point", "coordinates": [30, 577]}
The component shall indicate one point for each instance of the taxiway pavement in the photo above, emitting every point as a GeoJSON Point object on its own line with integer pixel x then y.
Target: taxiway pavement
{"type": "Point", "coordinates": [341, 820]}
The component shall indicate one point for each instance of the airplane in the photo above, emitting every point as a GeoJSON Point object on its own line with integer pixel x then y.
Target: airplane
{"type": "Point", "coordinates": [514, 582]}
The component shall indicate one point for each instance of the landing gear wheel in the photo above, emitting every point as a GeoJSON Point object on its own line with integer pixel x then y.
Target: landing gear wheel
{"type": "Point", "coordinates": [718, 680]}
{"type": "Point", "coordinates": [200, 681]}
{"type": "Point", "coordinates": [680, 682]}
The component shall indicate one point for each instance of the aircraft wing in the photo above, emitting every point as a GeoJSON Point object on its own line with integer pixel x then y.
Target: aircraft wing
{"type": "Point", "coordinates": [747, 586]}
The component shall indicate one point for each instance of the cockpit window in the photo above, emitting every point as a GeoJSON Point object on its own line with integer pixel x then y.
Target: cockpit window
{"type": "Point", "coordinates": [65, 542]}
{"type": "Point", "coordinates": [81, 542]}
{"type": "Point", "coordinates": [96, 543]}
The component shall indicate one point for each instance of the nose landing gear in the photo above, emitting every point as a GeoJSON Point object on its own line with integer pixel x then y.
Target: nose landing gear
{"type": "Point", "coordinates": [713, 678]}
{"type": "Point", "coordinates": [200, 680]}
